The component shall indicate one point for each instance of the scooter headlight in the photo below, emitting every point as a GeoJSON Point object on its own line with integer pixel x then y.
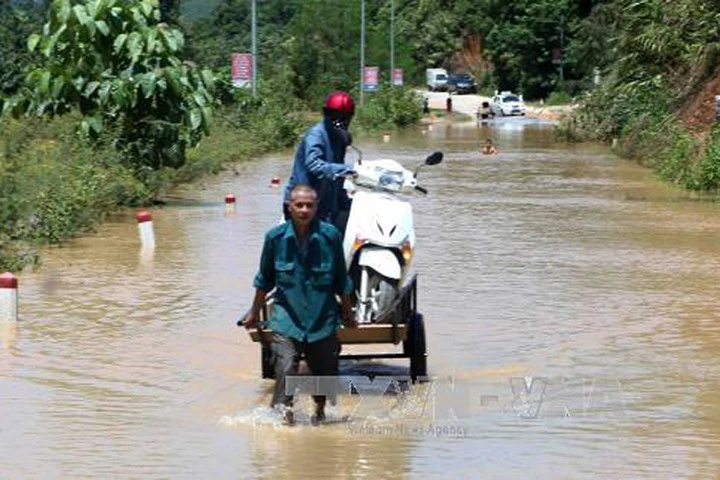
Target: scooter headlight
{"type": "Point", "coordinates": [407, 252]}
{"type": "Point", "coordinates": [359, 242]}
{"type": "Point", "coordinates": [391, 180]}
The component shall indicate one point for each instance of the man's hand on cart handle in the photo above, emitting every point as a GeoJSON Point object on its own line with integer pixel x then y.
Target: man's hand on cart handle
{"type": "Point", "coordinates": [250, 320]}
{"type": "Point", "coordinates": [346, 312]}
{"type": "Point", "coordinates": [252, 317]}
{"type": "Point", "coordinates": [349, 322]}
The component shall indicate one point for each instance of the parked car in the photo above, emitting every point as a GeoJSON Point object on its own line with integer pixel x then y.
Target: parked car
{"type": "Point", "coordinates": [436, 79]}
{"type": "Point", "coordinates": [507, 103]}
{"type": "Point", "coordinates": [461, 83]}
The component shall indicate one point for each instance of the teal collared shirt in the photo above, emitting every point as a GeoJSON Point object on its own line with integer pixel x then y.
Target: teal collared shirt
{"type": "Point", "coordinates": [306, 279]}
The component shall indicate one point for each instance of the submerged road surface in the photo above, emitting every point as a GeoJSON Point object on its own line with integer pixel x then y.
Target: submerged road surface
{"type": "Point", "coordinates": [572, 318]}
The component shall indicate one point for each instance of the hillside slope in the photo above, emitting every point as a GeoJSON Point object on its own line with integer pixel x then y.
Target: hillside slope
{"type": "Point", "coordinates": [194, 10]}
{"type": "Point", "coordinates": [699, 112]}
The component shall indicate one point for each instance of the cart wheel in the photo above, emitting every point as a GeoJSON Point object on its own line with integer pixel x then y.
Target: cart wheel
{"type": "Point", "coordinates": [268, 362]}
{"type": "Point", "coordinates": [416, 348]}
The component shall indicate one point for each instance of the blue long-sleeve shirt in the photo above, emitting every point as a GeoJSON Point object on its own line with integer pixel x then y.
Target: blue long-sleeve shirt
{"type": "Point", "coordinates": [319, 159]}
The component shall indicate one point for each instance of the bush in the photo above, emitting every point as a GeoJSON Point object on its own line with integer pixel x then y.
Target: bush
{"type": "Point", "coordinates": [273, 119]}
{"type": "Point", "coordinates": [568, 130]}
{"type": "Point", "coordinates": [708, 170]}
{"type": "Point", "coordinates": [559, 97]}
{"type": "Point", "coordinates": [53, 185]}
{"type": "Point", "coordinates": [388, 108]}
{"type": "Point", "coordinates": [613, 110]}
{"type": "Point", "coordinates": [671, 154]}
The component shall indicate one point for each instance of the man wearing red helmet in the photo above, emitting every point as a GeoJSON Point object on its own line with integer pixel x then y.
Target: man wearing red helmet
{"type": "Point", "coordinates": [319, 160]}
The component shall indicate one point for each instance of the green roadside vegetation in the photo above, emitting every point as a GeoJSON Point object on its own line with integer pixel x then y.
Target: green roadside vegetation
{"type": "Point", "coordinates": [656, 98]}
{"type": "Point", "coordinates": [439, 113]}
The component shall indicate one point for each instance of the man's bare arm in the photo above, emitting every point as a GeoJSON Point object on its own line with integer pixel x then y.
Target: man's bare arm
{"type": "Point", "coordinates": [253, 316]}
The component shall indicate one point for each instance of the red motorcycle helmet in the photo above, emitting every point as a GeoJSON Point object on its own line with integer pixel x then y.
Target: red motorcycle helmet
{"type": "Point", "coordinates": [339, 106]}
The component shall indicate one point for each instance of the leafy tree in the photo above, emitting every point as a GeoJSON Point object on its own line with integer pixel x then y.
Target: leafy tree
{"type": "Point", "coordinates": [194, 10]}
{"type": "Point", "coordinates": [522, 40]}
{"type": "Point", "coordinates": [17, 21]}
{"type": "Point", "coordinates": [114, 62]}
{"type": "Point", "coordinates": [592, 35]}
{"type": "Point", "coordinates": [170, 11]}
{"type": "Point", "coordinates": [658, 37]}
{"type": "Point", "coordinates": [324, 55]}
{"type": "Point", "coordinates": [212, 39]}
{"type": "Point", "coordinates": [431, 27]}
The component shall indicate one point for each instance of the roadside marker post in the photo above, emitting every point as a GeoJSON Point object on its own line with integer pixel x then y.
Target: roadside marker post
{"type": "Point", "coordinates": [229, 203]}
{"type": "Point", "coordinates": [145, 227]}
{"type": "Point", "coordinates": [8, 297]}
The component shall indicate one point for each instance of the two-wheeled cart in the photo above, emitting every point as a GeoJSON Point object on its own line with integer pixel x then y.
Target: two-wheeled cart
{"type": "Point", "coordinates": [401, 324]}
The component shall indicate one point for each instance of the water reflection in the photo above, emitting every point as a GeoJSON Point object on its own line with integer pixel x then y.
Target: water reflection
{"type": "Point", "coordinates": [8, 334]}
{"type": "Point", "coordinates": [329, 452]}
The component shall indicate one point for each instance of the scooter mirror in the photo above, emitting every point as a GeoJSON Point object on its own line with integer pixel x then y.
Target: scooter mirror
{"type": "Point", "coordinates": [434, 158]}
{"type": "Point", "coordinates": [357, 150]}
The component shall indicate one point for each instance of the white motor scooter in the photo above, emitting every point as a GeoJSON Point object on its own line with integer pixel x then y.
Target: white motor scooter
{"type": "Point", "coordinates": [380, 235]}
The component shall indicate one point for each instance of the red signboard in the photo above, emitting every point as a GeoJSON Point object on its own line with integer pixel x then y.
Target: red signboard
{"type": "Point", "coordinates": [371, 79]}
{"type": "Point", "coordinates": [241, 70]}
{"type": "Point", "coordinates": [397, 76]}
{"type": "Point", "coordinates": [556, 56]}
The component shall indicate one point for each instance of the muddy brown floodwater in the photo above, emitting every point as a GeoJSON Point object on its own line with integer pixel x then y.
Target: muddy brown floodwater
{"type": "Point", "coordinates": [572, 318]}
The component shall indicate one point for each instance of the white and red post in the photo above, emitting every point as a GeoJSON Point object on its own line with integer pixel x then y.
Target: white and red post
{"type": "Point", "coordinates": [8, 297]}
{"type": "Point", "coordinates": [229, 203]}
{"type": "Point", "coordinates": [145, 227]}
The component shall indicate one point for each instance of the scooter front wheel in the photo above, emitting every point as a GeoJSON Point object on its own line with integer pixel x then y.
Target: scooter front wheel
{"type": "Point", "coordinates": [375, 296]}
{"type": "Point", "coordinates": [383, 295]}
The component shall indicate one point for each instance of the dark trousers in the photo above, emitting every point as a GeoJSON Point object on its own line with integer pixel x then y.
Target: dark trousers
{"type": "Point", "coordinates": [321, 357]}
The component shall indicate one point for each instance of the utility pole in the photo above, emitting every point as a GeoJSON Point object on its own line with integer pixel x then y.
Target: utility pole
{"type": "Point", "coordinates": [562, 50]}
{"type": "Point", "coordinates": [392, 41]}
{"type": "Point", "coordinates": [254, 48]}
{"type": "Point", "coordinates": [362, 51]}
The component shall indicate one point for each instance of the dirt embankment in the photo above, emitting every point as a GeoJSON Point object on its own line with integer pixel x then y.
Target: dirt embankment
{"type": "Point", "coordinates": [699, 112]}
{"type": "Point", "coordinates": [554, 112]}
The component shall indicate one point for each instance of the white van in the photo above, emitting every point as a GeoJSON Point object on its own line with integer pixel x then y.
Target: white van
{"type": "Point", "coordinates": [436, 79]}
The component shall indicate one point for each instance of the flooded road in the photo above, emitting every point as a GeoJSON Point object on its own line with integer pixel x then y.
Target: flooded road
{"type": "Point", "coordinates": [572, 317]}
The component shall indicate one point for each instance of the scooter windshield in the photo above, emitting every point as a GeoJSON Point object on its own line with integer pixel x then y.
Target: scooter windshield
{"type": "Point", "coordinates": [390, 180]}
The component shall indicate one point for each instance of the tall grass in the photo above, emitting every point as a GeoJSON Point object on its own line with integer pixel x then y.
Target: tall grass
{"type": "Point", "coordinates": [53, 186]}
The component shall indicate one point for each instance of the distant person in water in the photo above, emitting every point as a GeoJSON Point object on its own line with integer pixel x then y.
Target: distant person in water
{"type": "Point", "coordinates": [489, 148]}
